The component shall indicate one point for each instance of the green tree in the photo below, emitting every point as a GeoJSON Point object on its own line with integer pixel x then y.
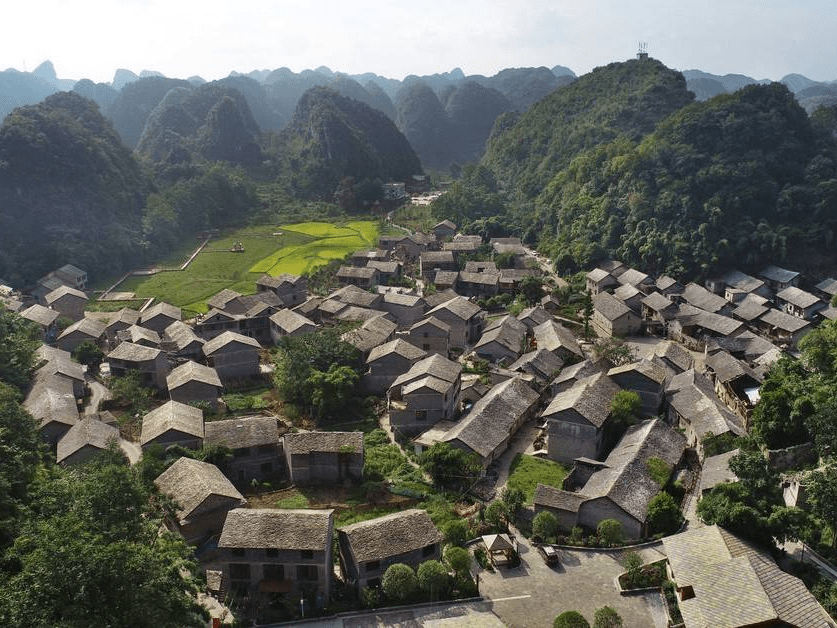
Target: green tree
{"type": "Point", "coordinates": [497, 515]}
{"type": "Point", "coordinates": [625, 407]}
{"type": "Point", "coordinates": [632, 562]}
{"type": "Point", "coordinates": [570, 619]}
{"type": "Point", "coordinates": [663, 514]}
{"type": "Point", "coordinates": [544, 525]}
{"type": "Point", "coordinates": [88, 353]}
{"type": "Point", "coordinates": [449, 466]}
{"type": "Point", "coordinates": [606, 617]}
{"type": "Point", "coordinates": [18, 342]}
{"type": "Point", "coordinates": [610, 531]}
{"type": "Point", "coordinates": [614, 351]}
{"type": "Point", "coordinates": [587, 312]}
{"type": "Point", "coordinates": [331, 391]}
{"type": "Point", "coordinates": [455, 532]}
{"type": "Point", "coordinates": [433, 579]}
{"type": "Point", "coordinates": [513, 497]}
{"type": "Point", "coordinates": [399, 582]}
{"type": "Point", "coordinates": [821, 486]}
{"type": "Point", "coordinates": [459, 559]}
{"type": "Point", "coordinates": [130, 392]}
{"type": "Point", "coordinates": [531, 288]}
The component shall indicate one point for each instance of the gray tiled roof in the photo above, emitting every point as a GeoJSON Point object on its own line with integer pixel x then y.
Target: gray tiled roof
{"type": "Point", "coordinates": [283, 529]}
{"type": "Point", "coordinates": [741, 281]}
{"type": "Point", "coordinates": [227, 338]}
{"type": "Point", "coordinates": [460, 307]}
{"type": "Point", "coordinates": [51, 400]}
{"type": "Point", "coordinates": [700, 297]}
{"type": "Point", "coordinates": [657, 302]}
{"type": "Point", "coordinates": [609, 306]}
{"type": "Point", "coordinates": [130, 352]}
{"type": "Point", "coordinates": [749, 309]}
{"type": "Point", "coordinates": [829, 286]}
{"type": "Point", "coordinates": [250, 431]}
{"type": "Point", "coordinates": [172, 415]}
{"type": "Point", "coordinates": [491, 419]}
{"type": "Point", "coordinates": [552, 497]}
{"type": "Point", "coordinates": [137, 334]}
{"type": "Point", "coordinates": [190, 482]}
{"type": "Point", "coordinates": [391, 535]}
{"type": "Point", "coordinates": [674, 353]}
{"type": "Point", "coordinates": [552, 336]}
{"type": "Point", "coordinates": [52, 297]}
{"type": "Point", "coordinates": [590, 397]}
{"type": "Point", "coordinates": [39, 314]}
{"type": "Point", "coordinates": [627, 481]}
{"type": "Point", "coordinates": [182, 335]}
{"type": "Point", "coordinates": [161, 309]}
{"type": "Point", "coordinates": [307, 442]}
{"type": "Point", "coordinates": [87, 431]}
{"type": "Point", "coordinates": [727, 368]}
{"type": "Point", "coordinates": [192, 372]}
{"type": "Point", "coordinates": [688, 315]}
{"type": "Point", "coordinates": [633, 277]}
{"type": "Point", "coordinates": [778, 274]}
{"type": "Point", "coordinates": [222, 299]}
{"type": "Point", "coordinates": [433, 366]}
{"type": "Point", "coordinates": [433, 321]}
{"type": "Point", "coordinates": [798, 297]}
{"type": "Point", "coordinates": [290, 321]}
{"type": "Point", "coordinates": [397, 346]}
{"type": "Point", "coordinates": [541, 363]}
{"type": "Point", "coordinates": [784, 321]}
{"type": "Point", "coordinates": [648, 368]}
{"type": "Point", "coordinates": [715, 470]}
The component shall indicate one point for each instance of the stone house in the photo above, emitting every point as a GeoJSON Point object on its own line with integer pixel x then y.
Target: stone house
{"type": "Point", "coordinates": [289, 323]}
{"type": "Point", "coordinates": [577, 419]}
{"type": "Point", "coordinates": [736, 384]}
{"type": "Point", "coordinates": [722, 579]}
{"type": "Point", "coordinates": [657, 310]}
{"type": "Point", "coordinates": [599, 280]}
{"type": "Point", "coordinates": [554, 337]}
{"type": "Point", "coordinates": [118, 321]}
{"type": "Point", "coordinates": [431, 335]}
{"type": "Point", "coordinates": [361, 277]}
{"type": "Point", "coordinates": [364, 256]}
{"type": "Point", "coordinates": [488, 428]}
{"type": "Point", "coordinates": [173, 423]}
{"type": "Point", "coordinates": [695, 327]}
{"type": "Point", "coordinates": [533, 316]}
{"type": "Point", "coordinates": [541, 364]}
{"type": "Point", "coordinates": [227, 301]}
{"type": "Point", "coordinates": [52, 404]}
{"type": "Point", "coordinates": [372, 333]}
{"type": "Point", "coordinates": [387, 271]}
{"type": "Point", "coordinates": [444, 229]}
{"type": "Point", "coordinates": [215, 322]}
{"type": "Point", "coordinates": [478, 285]}
{"type": "Point", "coordinates": [139, 336]}
{"type": "Point", "coordinates": [783, 328]}
{"type": "Point", "coordinates": [611, 317]}
{"type": "Point", "coordinates": [502, 341]}
{"type": "Point", "coordinates": [673, 356]}
{"type": "Point", "coordinates": [44, 318]}
{"type": "Point", "coordinates": [635, 278]}
{"type": "Point", "coordinates": [799, 303]}
{"type": "Point", "coordinates": [61, 366]}
{"type": "Point", "coordinates": [647, 379]}
{"type": "Point", "coordinates": [195, 382]}
{"type": "Point", "coordinates": [255, 443]}
{"type": "Point", "coordinates": [87, 438]}
{"type": "Point", "coordinates": [151, 363]}
{"type": "Point", "coordinates": [67, 301]}
{"type": "Point", "coordinates": [631, 296]}
{"type": "Point", "coordinates": [181, 340]}
{"type": "Point", "coordinates": [464, 318]}
{"type": "Point", "coordinates": [203, 497]}
{"type": "Point", "coordinates": [738, 285]}
{"type": "Point", "coordinates": [621, 486]}
{"type": "Point", "coordinates": [570, 375]}
{"type": "Point", "coordinates": [431, 261]}
{"type": "Point", "coordinates": [159, 316]}
{"type": "Point", "coordinates": [826, 289]}
{"type": "Point", "coordinates": [429, 392]}
{"type": "Point", "coordinates": [368, 548]}
{"type": "Point", "coordinates": [701, 298]}
{"type": "Point", "coordinates": [292, 290]}
{"type": "Point", "coordinates": [668, 286]}
{"type": "Point", "coordinates": [233, 356]}
{"type": "Point", "coordinates": [386, 362]}
{"type": "Point", "coordinates": [407, 309]}
{"type": "Point", "coordinates": [750, 309]}
{"type": "Point", "coordinates": [324, 457]}
{"type": "Point", "coordinates": [778, 278]}
{"type": "Point", "coordinates": [446, 280]}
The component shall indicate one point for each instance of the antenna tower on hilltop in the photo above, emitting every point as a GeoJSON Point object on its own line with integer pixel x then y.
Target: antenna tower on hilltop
{"type": "Point", "coordinates": [642, 55]}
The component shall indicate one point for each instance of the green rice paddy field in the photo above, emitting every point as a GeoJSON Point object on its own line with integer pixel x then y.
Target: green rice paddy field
{"type": "Point", "coordinates": [295, 249]}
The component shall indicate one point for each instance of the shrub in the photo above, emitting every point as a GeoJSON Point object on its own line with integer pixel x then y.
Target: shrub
{"type": "Point", "coordinates": [571, 619]}
{"type": "Point", "coordinates": [456, 532]}
{"type": "Point", "coordinates": [497, 515]}
{"type": "Point", "coordinates": [606, 617]}
{"type": "Point", "coordinates": [513, 497]}
{"type": "Point", "coordinates": [664, 514]}
{"type": "Point", "coordinates": [544, 525]}
{"type": "Point", "coordinates": [609, 531]}
{"type": "Point", "coordinates": [399, 582]}
{"type": "Point", "coordinates": [458, 558]}
{"type": "Point", "coordinates": [433, 579]}
{"type": "Point", "coordinates": [633, 566]}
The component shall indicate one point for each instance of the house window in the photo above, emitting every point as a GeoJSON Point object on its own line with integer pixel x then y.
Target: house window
{"type": "Point", "coordinates": [273, 572]}
{"type": "Point", "coordinates": [426, 334]}
{"type": "Point", "coordinates": [306, 554]}
{"type": "Point", "coordinates": [238, 551]}
{"type": "Point", "coordinates": [426, 347]}
{"type": "Point", "coordinates": [421, 415]}
{"type": "Point", "coordinates": [373, 565]}
{"type": "Point", "coordinates": [429, 550]}
{"type": "Point", "coordinates": [266, 467]}
{"type": "Point", "coordinates": [239, 571]}
{"type": "Point", "coordinates": [271, 552]}
{"type": "Point", "coordinates": [306, 572]}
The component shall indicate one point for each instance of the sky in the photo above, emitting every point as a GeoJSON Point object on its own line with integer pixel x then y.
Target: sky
{"type": "Point", "coordinates": [211, 38]}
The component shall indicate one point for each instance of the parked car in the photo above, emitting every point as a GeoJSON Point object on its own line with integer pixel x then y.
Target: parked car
{"type": "Point", "coordinates": [550, 555]}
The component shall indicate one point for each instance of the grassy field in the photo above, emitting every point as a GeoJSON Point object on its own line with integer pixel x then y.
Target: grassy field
{"type": "Point", "coordinates": [296, 249]}
{"type": "Point", "coordinates": [526, 472]}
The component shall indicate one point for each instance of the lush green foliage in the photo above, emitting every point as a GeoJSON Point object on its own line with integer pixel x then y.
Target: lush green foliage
{"type": "Point", "coordinates": [526, 472]}
{"type": "Point", "coordinates": [610, 531]}
{"type": "Point", "coordinates": [625, 408]}
{"type": "Point", "coordinates": [400, 582]}
{"type": "Point", "coordinates": [458, 558]}
{"type": "Point", "coordinates": [607, 617]}
{"type": "Point", "coordinates": [450, 466]}
{"type": "Point", "coordinates": [433, 579]}
{"type": "Point", "coordinates": [570, 619]}
{"type": "Point", "coordinates": [544, 525]}
{"type": "Point", "coordinates": [18, 342]}
{"type": "Point", "coordinates": [497, 515]}
{"type": "Point", "coordinates": [456, 532]}
{"type": "Point", "coordinates": [663, 514]}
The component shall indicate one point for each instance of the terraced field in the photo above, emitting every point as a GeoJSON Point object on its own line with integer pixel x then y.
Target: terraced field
{"type": "Point", "coordinates": [295, 248]}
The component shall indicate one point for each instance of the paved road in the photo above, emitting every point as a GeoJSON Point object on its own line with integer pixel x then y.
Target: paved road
{"type": "Point", "coordinates": [533, 594]}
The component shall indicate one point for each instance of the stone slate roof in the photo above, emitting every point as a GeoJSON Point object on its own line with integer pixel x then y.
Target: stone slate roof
{"type": "Point", "coordinates": [727, 368]}
{"type": "Point", "coordinates": [692, 396]}
{"type": "Point", "coordinates": [482, 279]}
{"type": "Point", "coordinates": [161, 309]}
{"type": "Point", "coordinates": [674, 353]}
{"type": "Point", "coordinates": [354, 314]}
{"type": "Point", "coordinates": [715, 470]}
{"type": "Point", "coordinates": [551, 497]}
{"type": "Point", "coordinates": [433, 321]}
{"type": "Point", "coordinates": [736, 583]}
{"type": "Point", "coordinates": [460, 307]}
{"type": "Point", "coordinates": [307, 442]}
{"type": "Point", "coordinates": [688, 315]}
{"type": "Point", "coordinates": [229, 337]}
{"type": "Point", "coordinates": [534, 316]}
{"type": "Point", "coordinates": [404, 300]}
{"type": "Point", "coordinates": [633, 277]}
{"type": "Point", "coordinates": [190, 482]}
{"type": "Point", "coordinates": [51, 400]}
{"type": "Point", "coordinates": [182, 335]}
{"type": "Point", "coordinates": [440, 297]}
{"type": "Point", "coordinates": [597, 274]}
{"type": "Point", "coordinates": [609, 306]}
{"type": "Point", "coordinates": [700, 297]}
{"type": "Point", "coordinates": [289, 321]}
{"type": "Point", "coordinates": [251, 431]}
{"type": "Point", "coordinates": [779, 275]}
{"type": "Point", "coordinates": [575, 372]}
{"type": "Point", "coordinates": [492, 418]}
{"type": "Point", "coordinates": [61, 366]}
{"type": "Point", "coordinates": [741, 281]}
{"type": "Point", "coordinates": [87, 431]}
{"type": "Point", "coordinates": [541, 363]}
{"type": "Point", "coordinates": [137, 334]}
{"type": "Point", "coordinates": [553, 336]}
{"type": "Point", "coordinates": [784, 321]}
{"type": "Point", "coordinates": [446, 277]}
{"type": "Point", "coordinates": [473, 266]}
{"type": "Point", "coordinates": [275, 282]}
{"type": "Point", "coordinates": [192, 372]}
{"type": "Point", "coordinates": [590, 397]}
{"type": "Point", "coordinates": [798, 297]}
{"type": "Point", "coordinates": [433, 366]}
{"type": "Point", "coordinates": [749, 309]}
{"type": "Point", "coordinates": [222, 299]}
{"type": "Point", "coordinates": [436, 257]}
{"type": "Point", "coordinates": [664, 282]}
{"type": "Point", "coordinates": [625, 292]}
{"type": "Point", "coordinates": [627, 480]}
{"type": "Point", "coordinates": [508, 334]}
{"type": "Point", "coordinates": [648, 368]}
{"type": "Point", "coordinates": [172, 415]}
{"type": "Point", "coordinates": [126, 316]}
{"type": "Point", "coordinates": [829, 286]}
{"type": "Point", "coordinates": [39, 314]}
{"type": "Point", "coordinates": [391, 535]}
{"type": "Point", "coordinates": [130, 352]}
{"type": "Point", "coordinates": [282, 529]}
{"type": "Point", "coordinates": [61, 291]}
{"type": "Point", "coordinates": [370, 334]}
{"type": "Point", "coordinates": [352, 295]}
{"type": "Point", "coordinates": [354, 272]}
{"type": "Point", "coordinates": [397, 346]}
{"type": "Point", "coordinates": [657, 302]}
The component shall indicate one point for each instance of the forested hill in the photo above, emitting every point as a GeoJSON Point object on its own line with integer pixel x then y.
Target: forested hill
{"type": "Point", "coordinates": [622, 99]}
{"type": "Point", "coordinates": [69, 190]}
{"type": "Point", "coordinates": [737, 180]}
{"type": "Point", "coordinates": [332, 137]}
